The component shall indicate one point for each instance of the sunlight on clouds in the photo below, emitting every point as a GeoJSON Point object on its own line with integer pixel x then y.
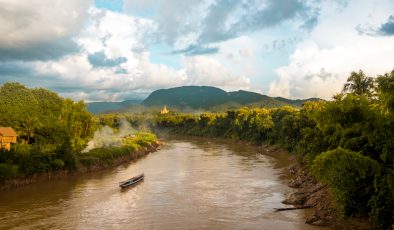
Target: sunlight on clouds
{"type": "Point", "coordinates": [208, 71]}
{"type": "Point", "coordinates": [336, 50]}
{"type": "Point", "coordinates": [284, 48]}
{"type": "Point", "coordinates": [110, 41]}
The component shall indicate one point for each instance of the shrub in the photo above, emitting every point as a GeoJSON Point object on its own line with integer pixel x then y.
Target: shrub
{"type": "Point", "coordinates": [382, 202]}
{"type": "Point", "coordinates": [7, 171]}
{"type": "Point", "coordinates": [349, 175]}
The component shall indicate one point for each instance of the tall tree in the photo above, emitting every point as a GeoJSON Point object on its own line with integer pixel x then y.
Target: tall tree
{"type": "Point", "coordinates": [359, 84]}
{"type": "Point", "coordinates": [385, 88]}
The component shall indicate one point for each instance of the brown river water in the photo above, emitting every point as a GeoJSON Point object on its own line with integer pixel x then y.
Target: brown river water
{"type": "Point", "coordinates": [189, 184]}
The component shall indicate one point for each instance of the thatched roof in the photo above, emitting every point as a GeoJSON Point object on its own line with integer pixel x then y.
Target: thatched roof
{"type": "Point", "coordinates": [7, 132]}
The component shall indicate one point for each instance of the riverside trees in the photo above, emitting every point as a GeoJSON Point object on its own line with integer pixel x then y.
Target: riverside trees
{"type": "Point", "coordinates": [348, 142]}
{"type": "Point", "coordinates": [50, 130]}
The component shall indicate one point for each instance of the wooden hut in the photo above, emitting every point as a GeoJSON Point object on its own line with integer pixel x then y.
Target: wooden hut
{"type": "Point", "coordinates": [7, 136]}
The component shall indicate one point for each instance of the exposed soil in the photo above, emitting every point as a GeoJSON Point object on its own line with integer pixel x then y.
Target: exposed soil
{"type": "Point", "coordinates": [38, 177]}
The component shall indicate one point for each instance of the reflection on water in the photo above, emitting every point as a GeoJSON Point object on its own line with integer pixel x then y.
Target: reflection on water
{"type": "Point", "coordinates": [189, 184]}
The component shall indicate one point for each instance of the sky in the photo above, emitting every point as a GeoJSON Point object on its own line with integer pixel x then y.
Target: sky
{"type": "Point", "coordinates": [114, 50]}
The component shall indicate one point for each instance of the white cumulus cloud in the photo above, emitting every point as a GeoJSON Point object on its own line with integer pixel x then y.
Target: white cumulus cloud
{"type": "Point", "coordinates": [322, 62]}
{"type": "Point", "coordinates": [28, 27]}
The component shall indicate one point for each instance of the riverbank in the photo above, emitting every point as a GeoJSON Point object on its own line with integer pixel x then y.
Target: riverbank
{"type": "Point", "coordinates": [316, 197]}
{"type": "Point", "coordinates": [311, 195]}
{"type": "Point", "coordinates": [81, 169]}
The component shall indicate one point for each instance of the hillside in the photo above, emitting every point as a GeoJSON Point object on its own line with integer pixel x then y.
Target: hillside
{"type": "Point", "coordinates": [211, 98]}
{"type": "Point", "coordinates": [101, 107]}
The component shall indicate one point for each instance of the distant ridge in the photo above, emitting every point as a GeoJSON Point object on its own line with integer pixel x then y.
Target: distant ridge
{"type": "Point", "coordinates": [102, 107]}
{"type": "Point", "coordinates": [209, 98]}
{"type": "Point", "coordinates": [189, 98]}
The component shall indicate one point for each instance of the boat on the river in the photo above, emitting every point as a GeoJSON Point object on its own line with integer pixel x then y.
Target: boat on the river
{"type": "Point", "coordinates": [131, 181]}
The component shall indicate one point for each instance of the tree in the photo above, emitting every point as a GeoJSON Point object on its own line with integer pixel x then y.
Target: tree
{"type": "Point", "coordinates": [17, 103]}
{"type": "Point", "coordinates": [385, 89]}
{"type": "Point", "coordinates": [359, 84]}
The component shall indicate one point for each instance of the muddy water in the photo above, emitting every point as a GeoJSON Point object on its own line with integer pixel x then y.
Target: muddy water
{"type": "Point", "coordinates": [189, 184]}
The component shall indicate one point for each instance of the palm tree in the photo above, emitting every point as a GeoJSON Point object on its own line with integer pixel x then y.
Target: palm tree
{"type": "Point", "coordinates": [338, 96]}
{"type": "Point", "coordinates": [30, 125]}
{"type": "Point", "coordinates": [359, 84]}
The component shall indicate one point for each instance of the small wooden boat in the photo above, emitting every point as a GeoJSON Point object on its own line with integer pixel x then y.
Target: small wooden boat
{"type": "Point", "coordinates": [131, 181]}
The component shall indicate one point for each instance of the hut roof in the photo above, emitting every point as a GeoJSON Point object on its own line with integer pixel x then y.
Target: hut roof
{"type": "Point", "coordinates": [7, 132]}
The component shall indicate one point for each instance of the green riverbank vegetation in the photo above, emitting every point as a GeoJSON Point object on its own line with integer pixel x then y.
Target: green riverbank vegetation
{"type": "Point", "coordinates": [347, 142]}
{"type": "Point", "coordinates": [53, 133]}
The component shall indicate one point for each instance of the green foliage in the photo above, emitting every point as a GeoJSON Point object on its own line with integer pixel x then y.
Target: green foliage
{"type": "Point", "coordinates": [382, 202]}
{"type": "Point", "coordinates": [50, 129]}
{"type": "Point", "coordinates": [7, 171]}
{"type": "Point", "coordinates": [348, 141]}
{"type": "Point", "coordinates": [385, 88]}
{"type": "Point", "coordinates": [211, 99]}
{"type": "Point", "coordinates": [349, 175]}
{"type": "Point", "coordinates": [42, 117]}
{"type": "Point", "coordinates": [18, 107]}
{"type": "Point", "coordinates": [67, 155]}
{"type": "Point", "coordinates": [359, 84]}
{"type": "Point", "coordinates": [78, 121]}
{"type": "Point", "coordinates": [129, 147]}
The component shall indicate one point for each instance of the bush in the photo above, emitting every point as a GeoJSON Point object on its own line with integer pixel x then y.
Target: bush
{"type": "Point", "coordinates": [382, 203]}
{"type": "Point", "coordinates": [57, 164]}
{"type": "Point", "coordinates": [7, 171]}
{"type": "Point", "coordinates": [130, 145]}
{"type": "Point", "coordinates": [349, 175]}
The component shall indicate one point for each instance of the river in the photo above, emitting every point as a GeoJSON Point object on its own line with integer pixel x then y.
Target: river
{"type": "Point", "coordinates": [189, 184]}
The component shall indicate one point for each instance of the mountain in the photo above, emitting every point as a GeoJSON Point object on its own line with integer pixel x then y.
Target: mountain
{"type": "Point", "coordinates": [187, 96]}
{"type": "Point", "coordinates": [214, 99]}
{"type": "Point", "coordinates": [101, 107]}
{"type": "Point", "coordinates": [296, 102]}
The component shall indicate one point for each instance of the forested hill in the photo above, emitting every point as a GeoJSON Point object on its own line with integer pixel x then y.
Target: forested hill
{"type": "Point", "coordinates": [101, 107]}
{"type": "Point", "coordinates": [205, 97]}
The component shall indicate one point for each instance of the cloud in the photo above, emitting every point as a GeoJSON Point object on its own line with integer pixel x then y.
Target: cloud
{"type": "Point", "coordinates": [73, 77]}
{"type": "Point", "coordinates": [230, 18]}
{"type": "Point", "coordinates": [195, 23]}
{"type": "Point", "coordinates": [176, 20]}
{"type": "Point", "coordinates": [310, 23]}
{"type": "Point", "coordinates": [108, 67]}
{"type": "Point", "coordinates": [40, 51]}
{"type": "Point", "coordinates": [299, 48]}
{"type": "Point", "coordinates": [40, 29]}
{"type": "Point", "coordinates": [197, 50]}
{"type": "Point", "coordinates": [273, 13]}
{"type": "Point", "coordinates": [98, 59]}
{"type": "Point", "coordinates": [387, 28]}
{"type": "Point", "coordinates": [382, 29]}
{"type": "Point", "coordinates": [321, 63]}
{"type": "Point", "coordinates": [202, 70]}
{"type": "Point", "coordinates": [11, 69]}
